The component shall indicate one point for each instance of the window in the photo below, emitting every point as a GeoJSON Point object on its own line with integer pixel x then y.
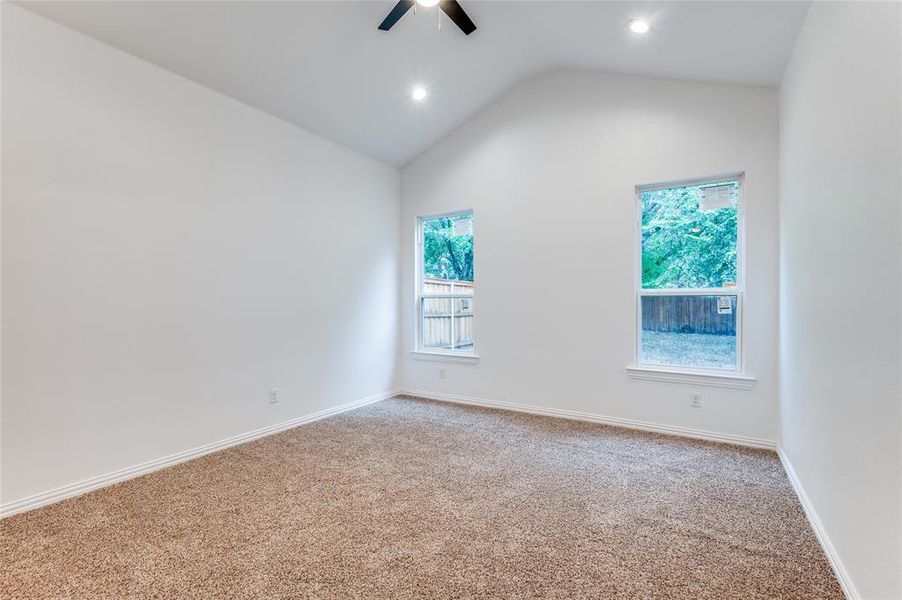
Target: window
{"type": "Point", "coordinates": [689, 298]}
{"type": "Point", "coordinates": [445, 284]}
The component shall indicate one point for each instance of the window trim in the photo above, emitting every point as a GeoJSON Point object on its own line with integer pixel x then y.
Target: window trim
{"type": "Point", "coordinates": [721, 379]}
{"type": "Point", "coordinates": [682, 373]}
{"type": "Point", "coordinates": [440, 356]}
{"type": "Point", "coordinates": [419, 352]}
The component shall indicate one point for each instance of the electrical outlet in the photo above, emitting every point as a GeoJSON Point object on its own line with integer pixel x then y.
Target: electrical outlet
{"type": "Point", "coordinates": [273, 395]}
{"type": "Point", "coordinates": [441, 373]}
{"type": "Point", "coordinates": [695, 400]}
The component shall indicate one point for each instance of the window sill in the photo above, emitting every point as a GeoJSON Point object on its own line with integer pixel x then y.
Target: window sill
{"type": "Point", "coordinates": [453, 357]}
{"type": "Point", "coordinates": [723, 380]}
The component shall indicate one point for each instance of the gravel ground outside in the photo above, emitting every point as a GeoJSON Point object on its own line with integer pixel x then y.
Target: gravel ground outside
{"type": "Point", "coordinates": [689, 349]}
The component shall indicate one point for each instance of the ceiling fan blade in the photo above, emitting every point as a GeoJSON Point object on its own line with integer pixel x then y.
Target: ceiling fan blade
{"type": "Point", "coordinates": [396, 13]}
{"type": "Point", "coordinates": [456, 13]}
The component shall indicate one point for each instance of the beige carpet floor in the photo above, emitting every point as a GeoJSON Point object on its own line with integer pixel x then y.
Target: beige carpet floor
{"type": "Point", "coordinates": [415, 499]}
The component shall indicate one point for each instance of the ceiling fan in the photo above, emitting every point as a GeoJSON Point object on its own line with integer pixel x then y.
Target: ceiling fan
{"type": "Point", "coordinates": [450, 7]}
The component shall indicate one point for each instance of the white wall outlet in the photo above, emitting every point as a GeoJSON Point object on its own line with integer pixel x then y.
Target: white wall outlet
{"type": "Point", "coordinates": [273, 395]}
{"type": "Point", "coordinates": [441, 373]}
{"type": "Point", "coordinates": [695, 400]}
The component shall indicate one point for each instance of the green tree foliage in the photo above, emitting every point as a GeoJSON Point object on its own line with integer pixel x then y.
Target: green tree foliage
{"type": "Point", "coordinates": [683, 246]}
{"type": "Point", "coordinates": [445, 255]}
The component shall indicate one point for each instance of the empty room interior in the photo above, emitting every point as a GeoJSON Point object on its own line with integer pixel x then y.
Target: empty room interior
{"type": "Point", "coordinates": [440, 299]}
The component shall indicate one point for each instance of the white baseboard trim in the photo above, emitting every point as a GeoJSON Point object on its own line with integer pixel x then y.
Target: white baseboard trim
{"type": "Point", "coordinates": [698, 434]}
{"type": "Point", "coordinates": [88, 485]}
{"type": "Point", "coordinates": [845, 581]}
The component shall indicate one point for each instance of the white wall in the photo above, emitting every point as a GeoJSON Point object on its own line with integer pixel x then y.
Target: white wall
{"type": "Point", "coordinates": [550, 172]}
{"type": "Point", "coordinates": [840, 282]}
{"type": "Point", "coordinates": [168, 255]}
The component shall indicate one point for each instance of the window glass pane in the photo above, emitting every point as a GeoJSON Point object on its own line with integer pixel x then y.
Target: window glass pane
{"type": "Point", "coordinates": [689, 331]}
{"type": "Point", "coordinates": [689, 236]}
{"type": "Point", "coordinates": [448, 249]}
{"type": "Point", "coordinates": [463, 324]}
{"type": "Point", "coordinates": [447, 324]}
{"type": "Point", "coordinates": [435, 328]}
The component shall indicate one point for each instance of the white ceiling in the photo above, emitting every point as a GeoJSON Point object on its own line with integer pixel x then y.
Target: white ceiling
{"type": "Point", "coordinates": [325, 67]}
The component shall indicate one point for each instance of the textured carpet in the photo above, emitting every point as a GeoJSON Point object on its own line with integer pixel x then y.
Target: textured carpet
{"type": "Point", "coordinates": [410, 498]}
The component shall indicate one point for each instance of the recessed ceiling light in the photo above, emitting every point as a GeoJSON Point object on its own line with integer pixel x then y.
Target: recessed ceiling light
{"type": "Point", "coordinates": [418, 93]}
{"type": "Point", "coordinates": [427, 3]}
{"type": "Point", "coordinates": [639, 26]}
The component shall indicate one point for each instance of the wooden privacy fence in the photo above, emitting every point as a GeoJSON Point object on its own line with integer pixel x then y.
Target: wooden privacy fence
{"type": "Point", "coordinates": [687, 314]}
{"type": "Point", "coordinates": [447, 286]}
{"type": "Point", "coordinates": [447, 323]}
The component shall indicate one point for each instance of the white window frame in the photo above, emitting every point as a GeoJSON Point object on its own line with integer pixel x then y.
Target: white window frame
{"type": "Point", "coordinates": [680, 373]}
{"type": "Point", "coordinates": [420, 352]}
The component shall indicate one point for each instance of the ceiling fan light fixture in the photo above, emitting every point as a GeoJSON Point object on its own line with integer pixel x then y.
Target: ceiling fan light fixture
{"type": "Point", "coordinates": [639, 26]}
{"type": "Point", "coordinates": [452, 9]}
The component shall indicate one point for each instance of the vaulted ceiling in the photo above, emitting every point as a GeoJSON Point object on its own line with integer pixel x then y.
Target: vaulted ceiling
{"type": "Point", "coordinates": [325, 67]}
